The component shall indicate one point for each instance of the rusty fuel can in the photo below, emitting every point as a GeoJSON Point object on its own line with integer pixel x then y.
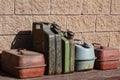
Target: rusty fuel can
{"type": "Point", "coordinates": [107, 58]}
{"type": "Point", "coordinates": [48, 42]}
{"type": "Point", "coordinates": [84, 56]}
{"type": "Point", "coordinates": [69, 35]}
{"type": "Point", "coordinates": [65, 50]}
{"type": "Point", "coordinates": [65, 55]}
{"type": "Point", "coordinates": [68, 49]}
{"type": "Point", "coordinates": [58, 49]}
{"type": "Point", "coordinates": [23, 64]}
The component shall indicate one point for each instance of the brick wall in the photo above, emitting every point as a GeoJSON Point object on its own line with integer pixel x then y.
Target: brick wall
{"type": "Point", "coordinates": [94, 20]}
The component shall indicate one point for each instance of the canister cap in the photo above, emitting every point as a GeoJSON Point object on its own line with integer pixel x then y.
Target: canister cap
{"type": "Point", "coordinates": [103, 47]}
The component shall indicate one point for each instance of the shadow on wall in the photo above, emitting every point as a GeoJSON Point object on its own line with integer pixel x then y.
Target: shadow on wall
{"type": "Point", "coordinates": [22, 40]}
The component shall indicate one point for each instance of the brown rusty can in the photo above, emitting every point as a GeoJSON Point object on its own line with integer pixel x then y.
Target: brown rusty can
{"type": "Point", "coordinates": [107, 58]}
{"type": "Point", "coordinates": [23, 64]}
{"type": "Point", "coordinates": [48, 42]}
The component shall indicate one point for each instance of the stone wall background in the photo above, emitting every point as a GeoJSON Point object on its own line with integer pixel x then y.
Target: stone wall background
{"type": "Point", "coordinates": [94, 20]}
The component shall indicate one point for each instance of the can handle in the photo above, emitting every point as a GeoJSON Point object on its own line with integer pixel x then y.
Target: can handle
{"type": "Point", "coordinates": [87, 44]}
{"type": "Point", "coordinates": [27, 67]}
{"type": "Point", "coordinates": [55, 28]}
{"type": "Point", "coordinates": [78, 41]}
{"type": "Point", "coordinates": [99, 45]}
{"type": "Point", "coordinates": [96, 44]}
{"type": "Point", "coordinates": [69, 34]}
{"type": "Point", "coordinates": [36, 25]}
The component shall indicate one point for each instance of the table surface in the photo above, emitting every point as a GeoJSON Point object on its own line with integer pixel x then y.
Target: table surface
{"type": "Point", "coordinates": [113, 74]}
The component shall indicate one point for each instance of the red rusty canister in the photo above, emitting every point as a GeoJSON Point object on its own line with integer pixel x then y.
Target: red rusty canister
{"type": "Point", "coordinates": [23, 64]}
{"type": "Point", "coordinates": [106, 64]}
{"type": "Point", "coordinates": [107, 53]}
{"type": "Point", "coordinates": [107, 58]}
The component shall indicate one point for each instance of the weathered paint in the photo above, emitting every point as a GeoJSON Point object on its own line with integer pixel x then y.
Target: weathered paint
{"type": "Point", "coordinates": [72, 55]}
{"type": "Point", "coordinates": [84, 52]}
{"type": "Point", "coordinates": [84, 65]}
{"type": "Point", "coordinates": [58, 54]}
{"type": "Point", "coordinates": [49, 51]}
{"type": "Point", "coordinates": [105, 65]}
{"type": "Point", "coordinates": [50, 43]}
{"type": "Point", "coordinates": [66, 55]}
{"type": "Point", "coordinates": [85, 57]}
{"type": "Point", "coordinates": [107, 54]}
{"type": "Point", "coordinates": [107, 58]}
{"type": "Point", "coordinates": [25, 65]}
{"type": "Point", "coordinates": [69, 36]}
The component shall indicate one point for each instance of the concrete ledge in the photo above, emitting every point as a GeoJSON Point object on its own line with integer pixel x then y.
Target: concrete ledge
{"type": "Point", "coordinates": [84, 75]}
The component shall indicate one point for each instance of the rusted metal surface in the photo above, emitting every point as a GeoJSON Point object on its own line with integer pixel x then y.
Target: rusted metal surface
{"type": "Point", "coordinates": [65, 55]}
{"type": "Point", "coordinates": [107, 58]}
{"type": "Point", "coordinates": [58, 54]}
{"type": "Point", "coordinates": [23, 64]}
{"type": "Point", "coordinates": [69, 36]}
{"type": "Point", "coordinates": [58, 49]}
{"type": "Point", "coordinates": [72, 55]}
{"type": "Point", "coordinates": [106, 64]}
{"type": "Point", "coordinates": [50, 44]}
{"type": "Point", "coordinates": [84, 65]}
{"type": "Point", "coordinates": [38, 37]}
{"type": "Point", "coordinates": [107, 54]}
{"type": "Point", "coordinates": [50, 51]}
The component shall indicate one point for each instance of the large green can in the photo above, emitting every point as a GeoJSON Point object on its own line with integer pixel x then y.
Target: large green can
{"type": "Point", "coordinates": [66, 55]}
{"type": "Point", "coordinates": [72, 55]}
{"type": "Point", "coordinates": [68, 51]}
{"type": "Point", "coordinates": [69, 35]}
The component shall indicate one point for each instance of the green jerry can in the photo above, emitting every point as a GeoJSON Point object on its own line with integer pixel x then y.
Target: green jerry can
{"type": "Point", "coordinates": [68, 50]}
{"type": "Point", "coordinates": [58, 43]}
{"type": "Point", "coordinates": [65, 49]}
{"type": "Point", "coordinates": [44, 40]}
{"type": "Point", "coordinates": [69, 35]}
{"type": "Point", "coordinates": [66, 55]}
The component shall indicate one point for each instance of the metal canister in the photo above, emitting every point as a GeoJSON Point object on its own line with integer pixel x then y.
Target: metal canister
{"type": "Point", "coordinates": [68, 50]}
{"type": "Point", "coordinates": [84, 56]}
{"type": "Point", "coordinates": [69, 35]}
{"type": "Point", "coordinates": [65, 55]}
{"type": "Point", "coordinates": [107, 58]}
{"type": "Point", "coordinates": [58, 49]}
{"type": "Point", "coordinates": [48, 42]}
{"type": "Point", "coordinates": [23, 64]}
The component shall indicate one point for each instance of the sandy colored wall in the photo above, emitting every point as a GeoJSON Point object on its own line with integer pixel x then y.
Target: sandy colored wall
{"type": "Point", "coordinates": [94, 20]}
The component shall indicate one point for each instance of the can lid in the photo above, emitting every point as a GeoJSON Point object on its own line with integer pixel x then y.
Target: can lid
{"type": "Point", "coordinates": [103, 47]}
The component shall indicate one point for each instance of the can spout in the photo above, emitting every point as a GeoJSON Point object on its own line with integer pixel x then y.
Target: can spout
{"type": "Point", "coordinates": [20, 52]}
{"type": "Point", "coordinates": [87, 44]}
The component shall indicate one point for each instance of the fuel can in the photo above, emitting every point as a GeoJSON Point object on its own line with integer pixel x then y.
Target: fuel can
{"type": "Point", "coordinates": [23, 64]}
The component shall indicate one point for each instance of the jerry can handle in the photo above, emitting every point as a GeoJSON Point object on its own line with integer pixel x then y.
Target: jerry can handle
{"type": "Point", "coordinates": [55, 27]}
{"type": "Point", "coordinates": [87, 44]}
{"type": "Point", "coordinates": [36, 25]}
{"type": "Point", "coordinates": [77, 41]}
{"type": "Point", "coordinates": [69, 34]}
{"type": "Point", "coordinates": [99, 45]}
{"type": "Point", "coordinates": [96, 44]}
